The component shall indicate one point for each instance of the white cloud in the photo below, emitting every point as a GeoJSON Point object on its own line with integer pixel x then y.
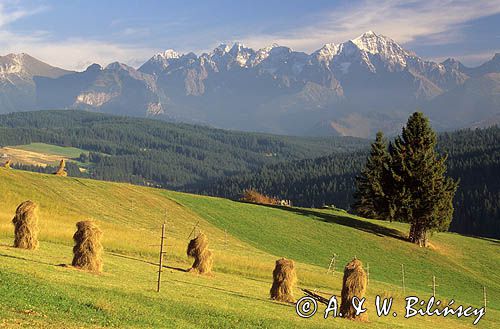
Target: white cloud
{"type": "Point", "coordinates": [439, 21]}
{"type": "Point", "coordinates": [10, 12]}
{"type": "Point", "coordinates": [432, 21]}
{"type": "Point", "coordinates": [75, 54]}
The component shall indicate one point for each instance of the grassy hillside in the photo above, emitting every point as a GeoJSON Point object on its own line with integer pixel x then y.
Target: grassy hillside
{"type": "Point", "coordinates": [64, 151]}
{"type": "Point", "coordinates": [35, 291]}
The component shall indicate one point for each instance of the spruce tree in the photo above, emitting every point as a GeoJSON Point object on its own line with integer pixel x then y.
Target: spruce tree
{"type": "Point", "coordinates": [421, 194]}
{"type": "Point", "coordinates": [370, 199]}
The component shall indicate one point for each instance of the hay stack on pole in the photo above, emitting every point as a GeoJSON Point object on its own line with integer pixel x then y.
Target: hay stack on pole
{"type": "Point", "coordinates": [87, 252]}
{"type": "Point", "coordinates": [203, 257]}
{"type": "Point", "coordinates": [61, 171]}
{"type": "Point", "coordinates": [284, 280]}
{"type": "Point", "coordinates": [354, 285]}
{"type": "Point", "coordinates": [26, 226]}
{"type": "Point", "coordinates": [7, 164]}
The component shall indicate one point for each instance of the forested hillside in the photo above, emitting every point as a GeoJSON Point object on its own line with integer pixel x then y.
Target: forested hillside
{"type": "Point", "coordinates": [473, 157]}
{"type": "Point", "coordinates": [158, 153]}
{"type": "Point", "coordinates": [308, 171]}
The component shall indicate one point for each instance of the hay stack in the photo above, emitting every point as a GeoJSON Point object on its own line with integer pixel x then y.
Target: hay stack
{"type": "Point", "coordinates": [61, 171]}
{"type": "Point", "coordinates": [284, 280]}
{"type": "Point", "coordinates": [203, 258]}
{"type": "Point", "coordinates": [26, 226]}
{"type": "Point", "coordinates": [354, 284]}
{"type": "Point", "coordinates": [87, 252]}
{"type": "Point", "coordinates": [8, 164]}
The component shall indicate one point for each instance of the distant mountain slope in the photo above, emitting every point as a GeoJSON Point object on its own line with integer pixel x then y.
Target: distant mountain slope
{"type": "Point", "coordinates": [117, 88]}
{"type": "Point", "coordinates": [477, 100]}
{"type": "Point", "coordinates": [17, 86]}
{"type": "Point", "coordinates": [159, 153]}
{"type": "Point", "coordinates": [353, 88]}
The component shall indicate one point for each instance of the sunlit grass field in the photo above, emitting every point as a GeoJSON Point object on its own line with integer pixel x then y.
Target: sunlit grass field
{"type": "Point", "coordinates": [69, 152]}
{"type": "Point", "coordinates": [35, 291]}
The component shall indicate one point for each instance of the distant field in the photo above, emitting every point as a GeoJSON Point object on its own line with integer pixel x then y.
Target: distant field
{"type": "Point", "coordinates": [246, 240]}
{"type": "Point", "coordinates": [39, 154]}
{"type": "Point", "coordinates": [68, 152]}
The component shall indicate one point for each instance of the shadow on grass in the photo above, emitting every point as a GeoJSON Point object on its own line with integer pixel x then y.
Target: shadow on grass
{"type": "Point", "coordinates": [146, 261]}
{"type": "Point", "coordinates": [492, 240]}
{"type": "Point", "coordinates": [230, 292]}
{"type": "Point", "coordinates": [358, 224]}
{"type": "Point", "coordinates": [27, 259]}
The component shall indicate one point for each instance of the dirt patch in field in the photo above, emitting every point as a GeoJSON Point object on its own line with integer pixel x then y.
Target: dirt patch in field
{"type": "Point", "coordinates": [29, 157]}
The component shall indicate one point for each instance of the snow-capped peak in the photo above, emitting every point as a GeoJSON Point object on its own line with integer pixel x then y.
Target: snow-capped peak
{"type": "Point", "coordinates": [168, 54]}
{"type": "Point", "coordinates": [378, 44]}
{"type": "Point", "coordinates": [327, 52]}
{"type": "Point", "coordinates": [12, 63]}
{"type": "Point", "coordinates": [222, 48]}
{"type": "Point", "coordinates": [372, 42]}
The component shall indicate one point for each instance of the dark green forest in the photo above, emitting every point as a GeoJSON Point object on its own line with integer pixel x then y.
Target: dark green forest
{"type": "Point", "coordinates": [309, 171]}
{"type": "Point", "coordinates": [175, 156]}
{"type": "Point", "coordinates": [473, 158]}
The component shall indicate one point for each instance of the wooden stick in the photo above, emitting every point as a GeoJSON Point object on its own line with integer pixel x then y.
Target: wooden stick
{"type": "Point", "coordinates": [332, 263]}
{"type": "Point", "coordinates": [194, 228]}
{"type": "Point", "coordinates": [403, 274]}
{"type": "Point", "coordinates": [367, 272]}
{"type": "Point", "coordinates": [433, 286]}
{"type": "Point", "coordinates": [484, 296]}
{"type": "Point", "coordinates": [160, 269]}
{"type": "Point", "coordinates": [319, 298]}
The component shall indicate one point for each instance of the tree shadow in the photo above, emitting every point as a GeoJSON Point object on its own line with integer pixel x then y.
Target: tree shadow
{"type": "Point", "coordinates": [358, 224]}
{"type": "Point", "coordinates": [230, 292]}
{"type": "Point", "coordinates": [147, 262]}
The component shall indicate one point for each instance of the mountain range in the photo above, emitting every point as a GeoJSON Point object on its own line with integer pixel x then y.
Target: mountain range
{"type": "Point", "coordinates": [354, 88]}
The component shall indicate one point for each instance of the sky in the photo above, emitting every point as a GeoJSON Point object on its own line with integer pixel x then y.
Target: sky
{"type": "Point", "coordinates": [75, 34]}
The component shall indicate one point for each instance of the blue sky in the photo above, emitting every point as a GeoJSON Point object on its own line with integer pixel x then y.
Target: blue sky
{"type": "Point", "coordinates": [74, 34]}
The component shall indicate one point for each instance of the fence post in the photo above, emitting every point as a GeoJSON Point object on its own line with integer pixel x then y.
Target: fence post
{"type": "Point", "coordinates": [484, 296]}
{"type": "Point", "coordinates": [160, 269]}
{"type": "Point", "coordinates": [367, 272]}
{"type": "Point", "coordinates": [331, 267]}
{"type": "Point", "coordinates": [403, 272]}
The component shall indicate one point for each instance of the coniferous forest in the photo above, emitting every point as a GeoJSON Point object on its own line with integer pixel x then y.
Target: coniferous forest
{"type": "Point", "coordinates": [308, 171]}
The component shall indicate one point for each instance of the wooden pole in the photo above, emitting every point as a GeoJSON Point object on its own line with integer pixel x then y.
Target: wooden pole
{"type": "Point", "coordinates": [332, 264]}
{"type": "Point", "coordinates": [193, 231]}
{"type": "Point", "coordinates": [403, 273]}
{"type": "Point", "coordinates": [433, 286]}
{"type": "Point", "coordinates": [484, 296]}
{"type": "Point", "coordinates": [160, 269]}
{"type": "Point", "coordinates": [367, 272]}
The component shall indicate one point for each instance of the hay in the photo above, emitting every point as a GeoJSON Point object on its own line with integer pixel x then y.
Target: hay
{"type": "Point", "coordinates": [203, 257]}
{"type": "Point", "coordinates": [284, 280]}
{"type": "Point", "coordinates": [7, 164]}
{"type": "Point", "coordinates": [87, 252]}
{"type": "Point", "coordinates": [26, 226]}
{"type": "Point", "coordinates": [354, 284]}
{"type": "Point", "coordinates": [61, 171]}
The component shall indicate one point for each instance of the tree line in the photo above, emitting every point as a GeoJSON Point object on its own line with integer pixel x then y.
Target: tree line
{"type": "Point", "coordinates": [473, 159]}
{"type": "Point", "coordinates": [310, 172]}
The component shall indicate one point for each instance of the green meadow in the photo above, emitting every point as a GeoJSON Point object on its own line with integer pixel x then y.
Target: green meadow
{"type": "Point", "coordinates": [38, 289]}
{"type": "Point", "coordinates": [65, 151]}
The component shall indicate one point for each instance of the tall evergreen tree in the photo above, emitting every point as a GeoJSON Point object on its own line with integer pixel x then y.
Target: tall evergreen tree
{"type": "Point", "coordinates": [370, 198]}
{"type": "Point", "coordinates": [422, 195]}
